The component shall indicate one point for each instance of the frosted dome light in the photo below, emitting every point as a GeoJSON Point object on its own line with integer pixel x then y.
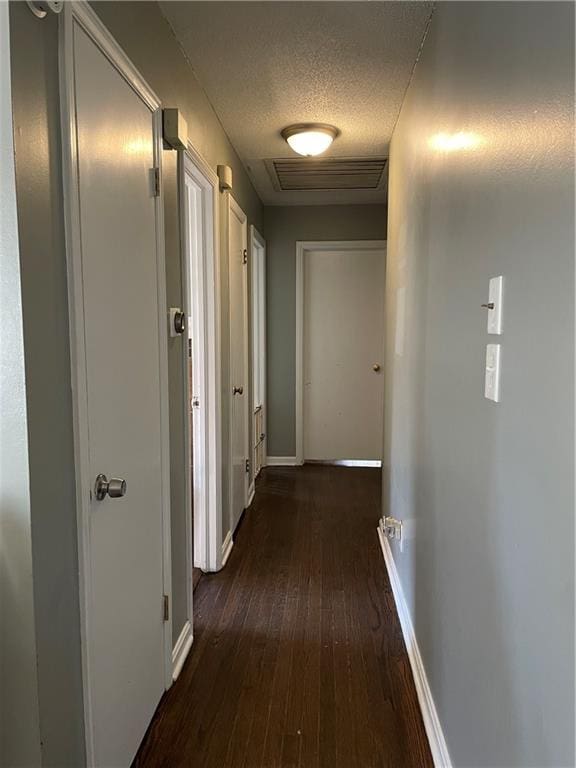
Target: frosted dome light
{"type": "Point", "coordinates": [310, 139]}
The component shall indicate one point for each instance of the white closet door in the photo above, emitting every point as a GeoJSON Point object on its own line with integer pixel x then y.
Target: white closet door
{"type": "Point", "coordinates": [119, 263]}
{"type": "Point", "coordinates": [343, 328]}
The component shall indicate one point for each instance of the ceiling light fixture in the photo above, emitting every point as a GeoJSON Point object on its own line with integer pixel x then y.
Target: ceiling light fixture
{"type": "Point", "coordinates": [310, 139]}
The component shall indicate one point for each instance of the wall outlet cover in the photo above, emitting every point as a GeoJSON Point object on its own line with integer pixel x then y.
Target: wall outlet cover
{"type": "Point", "coordinates": [492, 374]}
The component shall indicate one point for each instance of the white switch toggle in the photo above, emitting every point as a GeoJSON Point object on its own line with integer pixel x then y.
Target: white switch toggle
{"type": "Point", "coordinates": [492, 379]}
{"type": "Point", "coordinates": [495, 305]}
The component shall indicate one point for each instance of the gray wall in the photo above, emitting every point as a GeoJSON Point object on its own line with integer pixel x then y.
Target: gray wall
{"type": "Point", "coordinates": [486, 490]}
{"type": "Point", "coordinates": [146, 37]}
{"type": "Point", "coordinates": [284, 225]}
{"type": "Point", "coordinates": [19, 714]}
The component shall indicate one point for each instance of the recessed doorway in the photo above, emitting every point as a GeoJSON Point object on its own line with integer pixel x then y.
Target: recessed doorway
{"type": "Point", "coordinates": [340, 351]}
{"type": "Point", "coordinates": [199, 195]}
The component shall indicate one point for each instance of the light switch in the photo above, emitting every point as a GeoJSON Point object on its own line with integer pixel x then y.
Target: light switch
{"type": "Point", "coordinates": [495, 301]}
{"type": "Point", "coordinates": [492, 377]}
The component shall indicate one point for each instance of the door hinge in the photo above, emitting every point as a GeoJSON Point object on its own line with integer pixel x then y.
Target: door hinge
{"type": "Point", "coordinates": [391, 527]}
{"type": "Point", "coordinates": [247, 465]}
{"type": "Point", "coordinates": [155, 176]}
{"type": "Point", "coordinates": [195, 402]}
{"type": "Point", "coordinates": [165, 607]}
{"type": "Point", "coordinates": [244, 256]}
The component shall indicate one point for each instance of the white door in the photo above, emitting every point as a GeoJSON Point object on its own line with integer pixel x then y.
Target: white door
{"type": "Point", "coordinates": [237, 254]}
{"type": "Point", "coordinates": [258, 349]}
{"type": "Point", "coordinates": [125, 362]}
{"type": "Point", "coordinates": [195, 253]}
{"type": "Point", "coordinates": [201, 194]}
{"type": "Point", "coordinates": [343, 352]}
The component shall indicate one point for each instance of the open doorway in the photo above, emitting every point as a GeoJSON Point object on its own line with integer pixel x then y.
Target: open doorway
{"type": "Point", "coordinates": [199, 195]}
{"type": "Point", "coordinates": [237, 229]}
{"type": "Point", "coordinates": [258, 245]}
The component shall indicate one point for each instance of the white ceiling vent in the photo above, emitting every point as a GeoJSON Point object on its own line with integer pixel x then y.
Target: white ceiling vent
{"type": "Point", "coordinates": [327, 174]}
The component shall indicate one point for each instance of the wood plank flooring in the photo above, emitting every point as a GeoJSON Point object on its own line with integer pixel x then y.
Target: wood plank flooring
{"type": "Point", "coordinates": [196, 576]}
{"type": "Point", "coordinates": [298, 658]}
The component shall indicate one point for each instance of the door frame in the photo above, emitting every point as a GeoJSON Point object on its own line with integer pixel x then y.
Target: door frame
{"type": "Point", "coordinates": [80, 13]}
{"type": "Point", "coordinates": [232, 208]}
{"type": "Point", "coordinates": [302, 246]}
{"type": "Point", "coordinates": [258, 315]}
{"type": "Point", "coordinates": [205, 551]}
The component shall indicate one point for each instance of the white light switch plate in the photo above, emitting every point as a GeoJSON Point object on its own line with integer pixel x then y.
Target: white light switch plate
{"type": "Point", "coordinates": [492, 377]}
{"type": "Point", "coordinates": [495, 297]}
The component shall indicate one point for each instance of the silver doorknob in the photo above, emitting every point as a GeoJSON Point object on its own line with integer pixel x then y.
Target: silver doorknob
{"type": "Point", "coordinates": [179, 322]}
{"type": "Point", "coordinates": [115, 487]}
{"type": "Point", "coordinates": [376, 367]}
{"type": "Point", "coordinates": [237, 390]}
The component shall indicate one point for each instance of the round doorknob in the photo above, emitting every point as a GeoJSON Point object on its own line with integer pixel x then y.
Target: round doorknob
{"type": "Point", "coordinates": [115, 487]}
{"type": "Point", "coordinates": [237, 390]}
{"type": "Point", "coordinates": [180, 322]}
{"type": "Point", "coordinates": [376, 367]}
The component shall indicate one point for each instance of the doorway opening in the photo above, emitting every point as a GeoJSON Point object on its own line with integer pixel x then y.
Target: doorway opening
{"type": "Point", "coordinates": [258, 351]}
{"type": "Point", "coordinates": [201, 353]}
{"type": "Point", "coordinates": [239, 441]}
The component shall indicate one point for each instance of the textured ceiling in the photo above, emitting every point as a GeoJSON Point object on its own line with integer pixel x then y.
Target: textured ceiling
{"type": "Point", "coordinates": [265, 65]}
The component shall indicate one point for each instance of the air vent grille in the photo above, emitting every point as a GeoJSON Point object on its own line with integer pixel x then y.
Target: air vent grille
{"type": "Point", "coordinates": [294, 175]}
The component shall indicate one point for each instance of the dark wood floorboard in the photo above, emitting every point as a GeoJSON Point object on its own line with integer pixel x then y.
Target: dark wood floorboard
{"type": "Point", "coordinates": [196, 576]}
{"type": "Point", "coordinates": [298, 658]}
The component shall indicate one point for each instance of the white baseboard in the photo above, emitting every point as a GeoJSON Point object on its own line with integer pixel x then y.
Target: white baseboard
{"type": "Point", "coordinates": [282, 461]}
{"type": "Point", "coordinates": [227, 545]}
{"type": "Point", "coordinates": [432, 724]}
{"type": "Point", "coordinates": [251, 493]}
{"type": "Point", "coordinates": [346, 462]}
{"type": "Point", "coordinates": [181, 649]}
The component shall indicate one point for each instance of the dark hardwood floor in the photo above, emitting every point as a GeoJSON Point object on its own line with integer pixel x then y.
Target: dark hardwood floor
{"type": "Point", "coordinates": [196, 576]}
{"type": "Point", "coordinates": [298, 657]}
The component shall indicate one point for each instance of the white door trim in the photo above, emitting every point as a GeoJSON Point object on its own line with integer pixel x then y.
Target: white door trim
{"type": "Point", "coordinates": [181, 649]}
{"type": "Point", "coordinates": [282, 461]}
{"type": "Point", "coordinates": [301, 247]}
{"type": "Point", "coordinates": [80, 13]}
{"type": "Point", "coordinates": [206, 552]}
{"type": "Point", "coordinates": [232, 206]}
{"type": "Point", "coordinates": [258, 308]}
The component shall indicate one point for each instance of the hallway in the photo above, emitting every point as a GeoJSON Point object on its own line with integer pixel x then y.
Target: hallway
{"type": "Point", "coordinates": [298, 657]}
{"type": "Point", "coordinates": [287, 301]}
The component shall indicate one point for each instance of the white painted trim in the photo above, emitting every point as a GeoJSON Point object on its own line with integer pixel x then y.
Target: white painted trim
{"type": "Point", "coordinates": [434, 731]}
{"type": "Point", "coordinates": [301, 247]}
{"type": "Point", "coordinates": [204, 167]}
{"type": "Point", "coordinates": [80, 13]}
{"type": "Point", "coordinates": [346, 462]}
{"type": "Point", "coordinates": [258, 313]}
{"type": "Point", "coordinates": [227, 545]}
{"type": "Point", "coordinates": [299, 426]}
{"type": "Point", "coordinates": [207, 428]}
{"type": "Point", "coordinates": [186, 451]}
{"type": "Point", "coordinates": [282, 461]}
{"type": "Point", "coordinates": [257, 237]}
{"type": "Point", "coordinates": [164, 399]}
{"type": "Point", "coordinates": [233, 207]}
{"type": "Point", "coordinates": [181, 649]}
{"type": "Point", "coordinates": [251, 493]}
